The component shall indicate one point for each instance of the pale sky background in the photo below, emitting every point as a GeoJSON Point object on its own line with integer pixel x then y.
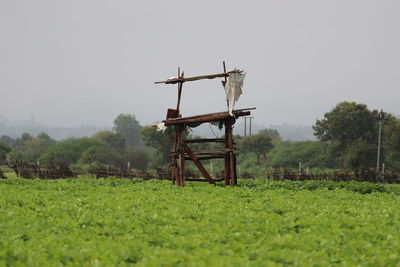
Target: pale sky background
{"type": "Point", "coordinates": [80, 62]}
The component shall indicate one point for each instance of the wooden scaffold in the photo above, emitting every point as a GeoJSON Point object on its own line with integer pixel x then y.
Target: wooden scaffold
{"type": "Point", "coordinates": [181, 150]}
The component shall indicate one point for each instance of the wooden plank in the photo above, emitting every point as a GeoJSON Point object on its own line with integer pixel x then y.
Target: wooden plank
{"type": "Point", "coordinates": [214, 113]}
{"type": "Point", "coordinates": [205, 140]}
{"type": "Point", "coordinates": [202, 180]}
{"type": "Point", "coordinates": [196, 78]}
{"type": "Point", "coordinates": [208, 152]}
{"type": "Point", "coordinates": [208, 157]}
{"type": "Point", "coordinates": [205, 118]}
{"type": "Point", "coordinates": [199, 165]}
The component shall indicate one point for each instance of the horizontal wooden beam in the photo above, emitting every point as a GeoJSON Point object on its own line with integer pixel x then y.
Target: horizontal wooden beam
{"type": "Point", "coordinates": [203, 180]}
{"type": "Point", "coordinates": [205, 140]}
{"type": "Point", "coordinates": [208, 157]}
{"type": "Point", "coordinates": [205, 118]}
{"type": "Point", "coordinates": [208, 152]}
{"type": "Point", "coordinates": [196, 78]}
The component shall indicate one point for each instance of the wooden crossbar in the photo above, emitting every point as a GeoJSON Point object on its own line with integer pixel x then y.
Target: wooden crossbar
{"type": "Point", "coordinates": [196, 78]}
{"type": "Point", "coordinates": [199, 165]}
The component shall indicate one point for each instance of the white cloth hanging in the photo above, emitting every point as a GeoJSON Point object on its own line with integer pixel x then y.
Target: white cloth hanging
{"type": "Point", "coordinates": [160, 126]}
{"type": "Point", "coordinates": [233, 89]}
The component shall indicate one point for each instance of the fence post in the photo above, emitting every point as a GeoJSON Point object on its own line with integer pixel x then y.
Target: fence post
{"type": "Point", "coordinates": [299, 168]}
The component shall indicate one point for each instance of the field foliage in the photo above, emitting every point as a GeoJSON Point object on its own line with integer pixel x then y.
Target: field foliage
{"type": "Point", "coordinates": [152, 223]}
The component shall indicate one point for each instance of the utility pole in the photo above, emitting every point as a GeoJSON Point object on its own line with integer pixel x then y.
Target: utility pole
{"type": "Point", "coordinates": [380, 118]}
{"type": "Point", "coordinates": [250, 125]}
{"type": "Point", "coordinates": [245, 125]}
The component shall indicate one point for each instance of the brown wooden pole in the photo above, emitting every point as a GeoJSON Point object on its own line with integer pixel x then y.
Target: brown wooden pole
{"type": "Point", "coordinates": [180, 85]}
{"type": "Point", "coordinates": [209, 152]}
{"type": "Point", "coordinates": [227, 172]}
{"type": "Point", "coordinates": [224, 82]}
{"type": "Point", "coordinates": [181, 159]}
{"type": "Point", "coordinates": [205, 118]}
{"type": "Point", "coordinates": [232, 165]}
{"type": "Point", "coordinates": [174, 163]}
{"type": "Point", "coordinates": [179, 91]}
{"type": "Point", "coordinates": [179, 98]}
{"type": "Point", "coordinates": [179, 156]}
{"type": "Point", "coordinates": [223, 63]}
{"type": "Point", "coordinates": [207, 157]}
{"type": "Point", "coordinates": [181, 164]}
{"type": "Point", "coordinates": [205, 140]}
{"type": "Point", "coordinates": [196, 78]}
{"type": "Point", "coordinates": [234, 169]}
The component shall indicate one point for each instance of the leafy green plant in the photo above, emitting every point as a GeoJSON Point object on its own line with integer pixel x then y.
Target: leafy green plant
{"type": "Point", "coordinates": [150, 223]}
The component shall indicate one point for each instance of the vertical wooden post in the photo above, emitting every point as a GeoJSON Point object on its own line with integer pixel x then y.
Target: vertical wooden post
{"type": "Point", "coordinates": [234, 179]}
{"type": "Point", "coordinates": [227, 169]}
{"type": "Point", "coordinates": [179, 91]}
{"type": "Point", "coordinates": [224, 82]}
{"type": "Point", "coordinates": [173, 159]}
{"type": "Point", "coordinates": [232, 157]}
{"type": "Point", "coordinates": [181, 158]}
{"type": "Point", "coordinates": [180, 164]}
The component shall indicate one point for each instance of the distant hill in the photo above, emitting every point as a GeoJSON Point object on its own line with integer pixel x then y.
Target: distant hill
{"type": "Point", "coordinates": [58, 133]}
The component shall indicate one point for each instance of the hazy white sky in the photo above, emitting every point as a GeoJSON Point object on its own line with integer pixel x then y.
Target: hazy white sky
{"type": "Point", "coordinates": [83, 62]}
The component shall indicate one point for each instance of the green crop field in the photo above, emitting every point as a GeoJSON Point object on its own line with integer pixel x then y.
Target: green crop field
{"type": "Point", "coordinates": [89, 222]}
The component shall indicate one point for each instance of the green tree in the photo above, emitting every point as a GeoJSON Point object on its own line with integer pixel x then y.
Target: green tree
{"type": "Point", "coordinates": [35, 147]}
{"type": "Point", "coordinates": [159, 140]}
{"type": "Point", "coordinates": [346, 125]}
{"type": "Point", "coordinates": [113, 140]}
{"type": "Point", "coordinates": [139, 159]}
{"type": "Point", "coordinates": [66, 152]}
{"type": "Point", "coordinates": [273, 133]}
{"type": "Point", "coordinates": [127, 126]}
{"type": "Point", "coordinates": [4, 149]}
{"type": "Point", "coordinates": [360, 154]}
{"type": "Point", "coordinates": [5, 139]}
{"type": "Point", "coordinates": [100, 155]}
{"type": "Point", "coordinates": [391, 141]}
{"type": "Point", "coordinates": [29, 149]}
{"type": "Point", "coordinates": [20, 142]}
{"type": "Point", "coordinates": [259, 144]}
{"type": "Point", "coordinates": [313, 154]}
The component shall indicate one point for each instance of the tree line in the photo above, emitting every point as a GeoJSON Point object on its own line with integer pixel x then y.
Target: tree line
{"type": "Point", "coordinates": [347, 138]}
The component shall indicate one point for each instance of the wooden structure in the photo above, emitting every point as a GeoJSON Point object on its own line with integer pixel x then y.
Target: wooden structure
{"type": "Point", "coordinates": [181, 150]}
